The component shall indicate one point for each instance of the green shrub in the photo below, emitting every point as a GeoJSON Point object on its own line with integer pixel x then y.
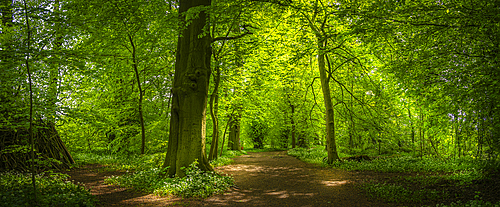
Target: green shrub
{"type": "Point", "coordinates": [196, 183]}
{"type": "Point", "coordinates": [52, 190]}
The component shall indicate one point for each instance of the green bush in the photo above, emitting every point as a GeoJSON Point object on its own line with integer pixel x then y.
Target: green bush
{"type": "Point", "coordinates": [196, 183]}
{"type": "Point", "coordinates": [52, 190]}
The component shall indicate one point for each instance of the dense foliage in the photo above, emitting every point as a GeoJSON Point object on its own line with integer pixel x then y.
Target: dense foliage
{"type": "Point", "coordinates": [415, 79]}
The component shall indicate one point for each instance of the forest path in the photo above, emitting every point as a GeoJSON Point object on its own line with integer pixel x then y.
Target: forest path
{"type": "Point", "coordinates": [276, 179]}
{"type": "Point", "coordinates": [261, 179]}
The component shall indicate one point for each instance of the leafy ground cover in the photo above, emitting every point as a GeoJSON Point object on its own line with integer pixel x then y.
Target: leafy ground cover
{"type": "Point", "coordinates": [196, 183]}
{"type": "Point", "coordinates": [53, 189]}
{"type": "Point", "coordinates": [143, 174]}
{"type": "Point", "coordinates": [421, 181]}
{"type": "Point", "coordinates": [139, 172]}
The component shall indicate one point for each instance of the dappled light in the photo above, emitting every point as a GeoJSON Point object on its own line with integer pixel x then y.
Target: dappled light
{"type": "Point", "coordinates": [250, 102]}
{"type": "Point", "coordinates": [276, 179]}
{"type": "Point", "coordinates": [335, 183]}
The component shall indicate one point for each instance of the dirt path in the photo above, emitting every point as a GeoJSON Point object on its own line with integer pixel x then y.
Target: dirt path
{"type": "Point", "coordinates": [262, 179]}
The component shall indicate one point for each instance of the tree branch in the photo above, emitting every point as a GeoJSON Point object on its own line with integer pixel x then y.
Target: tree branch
{"type": "Point", "coordinates": [232, 38]}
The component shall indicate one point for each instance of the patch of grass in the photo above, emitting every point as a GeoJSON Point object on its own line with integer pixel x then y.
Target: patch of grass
{"type": "Point", "coordinates": [407, 164]}
{"type": "Point", "coordinates": [265, 149]}
{"type": "Point", "coordinates": [196, 183]}
{"type": "Point", "coordinates": [221, 161]}
{"type": "Point", "coordinates": [311, 155]}
{"type": "Point", "coordinates": [233, 153]}
{"type": "Point", "coordinates": [395, 193]}
{"type": "Point", "coordinates": [146, 174]}
{"type": "Point", "coordinates": [226, 157]}
{"type": "Point", "coordinates": [416, 180]}
{"type": "Point", "coordinates": [53, 189]}
{"type": "Point", "coordinates": [121, 162]}
{"type": "Point", "coordinates": [471, 203]}
{"type": "Point", "coordinates": [142, 162]}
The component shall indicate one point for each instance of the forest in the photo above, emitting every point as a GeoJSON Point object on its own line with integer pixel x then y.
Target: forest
{"type": "Point", "coordinates": [169, 92]}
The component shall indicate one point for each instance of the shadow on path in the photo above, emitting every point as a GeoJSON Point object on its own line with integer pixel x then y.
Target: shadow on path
{"type": "Point", "coordinates": [262, 179]}
{"type": "Point", "coordinates": [276, 179]}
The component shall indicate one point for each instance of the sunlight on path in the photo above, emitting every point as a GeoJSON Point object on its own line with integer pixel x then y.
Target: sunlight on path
{"type": "Point", "coordinates": [275, 179]}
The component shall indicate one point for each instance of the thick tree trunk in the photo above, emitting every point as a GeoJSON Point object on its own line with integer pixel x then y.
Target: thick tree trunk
{"type": "Point", "coordinates": [331, 146]}
{"type": "Point", "coordinates": [192, 71]}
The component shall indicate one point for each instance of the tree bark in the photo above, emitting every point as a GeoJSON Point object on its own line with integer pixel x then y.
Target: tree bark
{"type": "Point", "coordinates": [141, 95]}
{"type": "Point", "coordinates": [30, 130]}
{"type": "Point", "coordinates": [54, 70]}
{"type": "Point", "coordinates": [293, 125]}
{"type": "Point", "coordinates": [214, 103]}
{"type": "Point", "coordinates": [234, 134]}
{"type": "Point", "coordinates": [331, 146]}
{"type": "Point", "coordinates": [190, 90]}
{"type": "Point", "coordinates": [224, 136]}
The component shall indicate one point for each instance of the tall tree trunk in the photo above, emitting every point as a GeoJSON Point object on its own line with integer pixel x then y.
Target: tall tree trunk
{"type": "Point", "coordinates": [331, 146]}
{"type": "Point", "coordinates": [293, 126]}
{"type": "Point", "coordinates": [351, 120]}
{"type": "Point", "coordinates": [54, 70]}
{"type": "Point", "coordinates": [192, 72]}
{"type": "Point", "coordinates": [214, 103]}
{"type": "Point", "coordinates": [224, 136]}
{"type": "Point", "coordinates": [421, 133]}
{"type": "Point", "coordinates": [234, 134]}
{"type": "Point", "coordinates": [141, 94]}
{"type": "Point", "coordinates": [412, 135]}
{"type": "Point", "coordinates": [234, 127]}
{"type": "Point", "coordinates": [30, 130]}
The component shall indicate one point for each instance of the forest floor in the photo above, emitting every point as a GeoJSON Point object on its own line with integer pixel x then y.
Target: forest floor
{"type": "Point", "coordinates": [261, 179]}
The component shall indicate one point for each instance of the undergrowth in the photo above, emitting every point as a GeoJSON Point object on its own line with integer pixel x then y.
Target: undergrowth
{"type": "Point", "coordinates": [399, 164]}
{"type": "Point", "coordinates": [141, 162]}
{"type": "Point", "coordinates": [394, 193]}
{"type": "Point", "coordinates": [471, 203]}
{"type": "Point", "coordinates": [145, 174]}
{"type": "Point", "coordinates": [120, 162]}
{"type": "Point", "coordinates": [53, 189]}
{"type": "Point", "coordinates": [423, 179]}
{"type": "Point", "coordinates": [225, 159]}
{"type": "Point", "coordinates": [196, 183]}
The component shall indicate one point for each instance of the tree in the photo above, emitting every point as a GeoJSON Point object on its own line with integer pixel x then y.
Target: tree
{"type": "Point", "coordinates": [317, 20]}
{"type": "Point", "coordinates": [444, 54]}
{"type": "Point", "coordinates": [190, 90]}
{"type": "Point", "coordinates": [129, 44]}
{"type": "Point", "coordinates": [28, 41]}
